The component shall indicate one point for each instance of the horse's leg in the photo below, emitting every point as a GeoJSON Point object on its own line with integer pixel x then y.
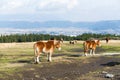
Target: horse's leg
{"type": "Point", "coordinates": [37, 53]}
{"type": "Point", "coordinates": [35, 58]}
{"type": "Point", "coordinates": [86, 48]}
{"type": "Point", "coordinates": [37, 61]}
{"type": "Point", "coordinates": [49, 57]}
{"type": "Point", "coordinates": [91, 51]}
{"type": "Point", "coordinates": [85, 52]}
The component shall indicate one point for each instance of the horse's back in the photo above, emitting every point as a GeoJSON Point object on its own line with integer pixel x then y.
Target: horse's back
{"type": "Point", "coordinates": [39, 46]}
{"type": "Point", "coordinates": [89, 44]}
{"type": "Point", "coordinates": [44, 45]}
{"type": "Point", "coordinates": [50, 44]}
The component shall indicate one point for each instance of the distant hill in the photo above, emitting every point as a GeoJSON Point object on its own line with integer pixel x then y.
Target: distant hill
{"type": "Point", "coordinates": [112, 26]}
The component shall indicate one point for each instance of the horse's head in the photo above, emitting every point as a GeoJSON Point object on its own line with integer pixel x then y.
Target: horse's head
{"type": "Point", "coordinates": [57, 44]}
{"type": "Point", "coordinates": [98, 43]}
{"type": "Point", "coordinates": [61, 40]}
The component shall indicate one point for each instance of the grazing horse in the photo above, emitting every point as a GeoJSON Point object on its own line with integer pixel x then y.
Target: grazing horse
{"type": "Point", "coordinates": [90, 45]}
{"type": "Point", "coordinates": [73, 42]}
{"type": "Point", "coordinates": [45, 47]}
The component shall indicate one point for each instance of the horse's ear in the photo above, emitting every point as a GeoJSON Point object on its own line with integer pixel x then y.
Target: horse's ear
{"type": "Point", "coordinates": [59, 41]}
{"type": "Point", "coordinates": [99, 40]}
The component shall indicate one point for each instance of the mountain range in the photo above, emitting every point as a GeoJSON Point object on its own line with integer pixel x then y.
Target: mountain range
{"type": "Point", "coordinates": [60, 27]}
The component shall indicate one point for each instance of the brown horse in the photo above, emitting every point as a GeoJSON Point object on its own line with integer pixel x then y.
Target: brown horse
{"type": "Point", "coordinates": [107, 39]}
{"type": "Point", "coordinates": [45, 47]}
{"type": "Point", "coordinates": [90, 45]}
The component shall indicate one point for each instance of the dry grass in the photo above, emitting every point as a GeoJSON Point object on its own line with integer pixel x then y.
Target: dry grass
{"type": "Point", "coordinates": [14, 55]}
{"type": "Point", "coordinates": [111, 43]}
{"type": "Point", "coordinates": [13, 52]}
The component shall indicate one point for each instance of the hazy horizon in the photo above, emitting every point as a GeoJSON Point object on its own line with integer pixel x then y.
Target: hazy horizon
{"type": "Point", "coordinates": [82, 11]}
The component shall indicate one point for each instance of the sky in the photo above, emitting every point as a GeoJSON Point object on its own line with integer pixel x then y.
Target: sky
{"type": "Point", "coordinates": [60, 10]}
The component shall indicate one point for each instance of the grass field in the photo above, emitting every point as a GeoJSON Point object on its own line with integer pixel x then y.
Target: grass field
{"type": "Point", "coordinates": [16, 57]}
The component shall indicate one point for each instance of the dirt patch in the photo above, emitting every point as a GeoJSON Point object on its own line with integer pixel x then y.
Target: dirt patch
{"type": "Point", "coordinates": [65, 70]}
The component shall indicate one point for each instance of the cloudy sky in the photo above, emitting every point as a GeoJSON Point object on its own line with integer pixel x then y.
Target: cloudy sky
{"type": "Point", "coordinates": [65, 10]}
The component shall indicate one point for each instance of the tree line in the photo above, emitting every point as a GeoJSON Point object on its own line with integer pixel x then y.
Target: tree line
{"type": "Point", "coordinates": [37, 37]}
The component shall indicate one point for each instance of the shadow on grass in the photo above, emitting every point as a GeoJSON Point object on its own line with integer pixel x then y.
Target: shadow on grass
{"type": "Point", "coordinates": [80, 50]}
{"type": "Point", "coordinates": [75, 55]}
{"type": "Point", "coordinates": [110, 64]}
{"type": "Point", "coordinates": [23, 61]}
{"type": "Point", "coordinates": [56, 55]}
{"type": "Point", "coordinates": [68, 55]}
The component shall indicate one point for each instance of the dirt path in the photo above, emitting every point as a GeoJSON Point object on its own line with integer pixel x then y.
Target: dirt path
{"type": "Point", "coordinates": [70, 70]}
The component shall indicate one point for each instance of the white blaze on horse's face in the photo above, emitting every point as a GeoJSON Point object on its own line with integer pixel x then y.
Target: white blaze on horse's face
{"type": "Point", "coordinates": [58, 46]}
{"type": "Point", "coordinates": [99, 45]}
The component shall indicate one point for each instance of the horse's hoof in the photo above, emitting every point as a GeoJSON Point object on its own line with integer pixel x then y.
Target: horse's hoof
{"type": "Point", "coordinates": [37, 63]}
{"type": "Point", "coordinates": [49, 61]}
{"type": "Point", "coordinates": [85, 55]}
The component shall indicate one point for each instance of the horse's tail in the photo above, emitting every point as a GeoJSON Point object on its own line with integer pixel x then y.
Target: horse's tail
{"type": "Point", "coordinates": [35, 49]}
{"type": "Point", "coordinates": [84, 46]}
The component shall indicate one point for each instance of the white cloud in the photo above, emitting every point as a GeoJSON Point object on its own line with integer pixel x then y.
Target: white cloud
{"type": "Point", "coordinates": [61, 9]}
{"type": "Point", "coordinates": [8, 7]}
{"type": "Point", "coordinates": [53, 5]}
{"type": "Point", "coordinates": [35, 6]}
{"type": "Point", "coordinates": [72, 4]}
{"type": "Point", "coordinates": [99, 4]}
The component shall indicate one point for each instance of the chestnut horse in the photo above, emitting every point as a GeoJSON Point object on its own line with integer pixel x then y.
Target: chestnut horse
{"type": "Point", "coordinates": [90, 45]}
{"type": "Point", "coordinates": [45, 47]}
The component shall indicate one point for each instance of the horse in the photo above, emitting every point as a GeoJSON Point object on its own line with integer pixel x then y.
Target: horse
{"type": "Point", "coordinates": [45, 47]}
{"type": "Point", "coordinates": [61, 39]}
{"type": "Point", "coordinates": [90, 45]}
{"type": "Point", "coordinates": [107, 39]}
{"type": "Point", "coordinates": [73, 42]}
